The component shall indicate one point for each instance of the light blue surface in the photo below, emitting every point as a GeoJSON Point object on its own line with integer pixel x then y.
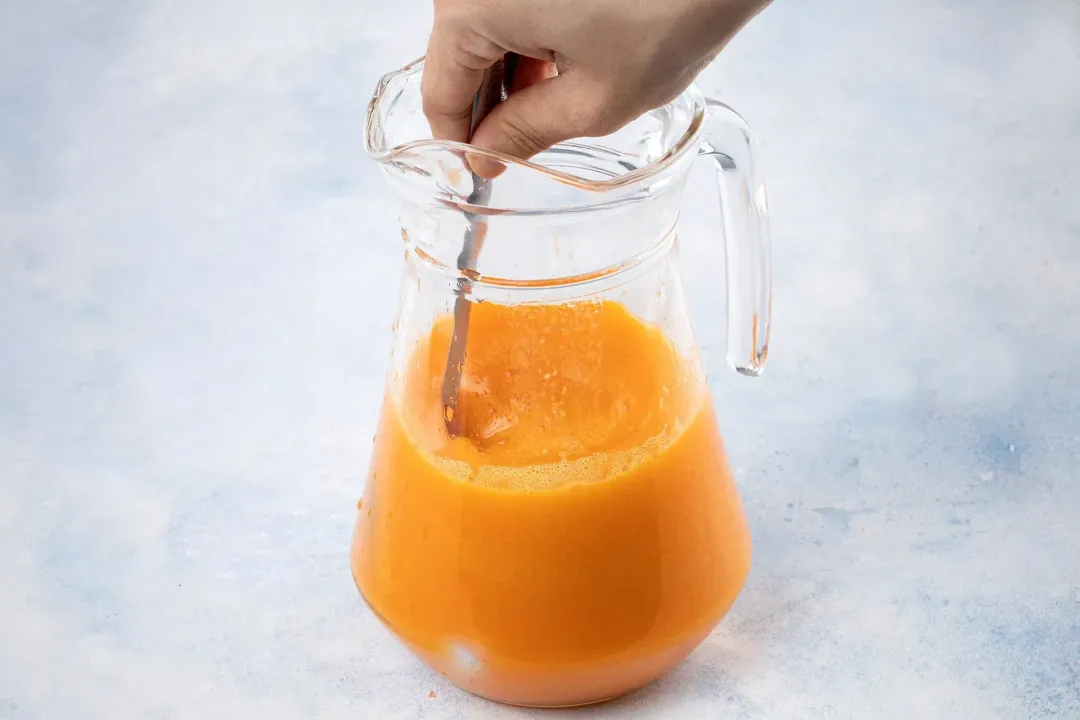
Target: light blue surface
{"type": "Point", "coordinates": [197, 273]}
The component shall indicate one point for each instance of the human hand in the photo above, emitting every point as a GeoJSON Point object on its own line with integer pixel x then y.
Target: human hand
{"type": "Point", "coordinates": [587, 67]}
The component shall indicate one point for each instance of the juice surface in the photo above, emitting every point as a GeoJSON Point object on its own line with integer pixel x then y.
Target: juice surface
{"type": "Point", "coordinates": [584, 534]}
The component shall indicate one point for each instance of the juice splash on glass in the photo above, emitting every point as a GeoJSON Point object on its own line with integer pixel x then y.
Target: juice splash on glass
{"type": "Point", "coordinates": [581, 537]}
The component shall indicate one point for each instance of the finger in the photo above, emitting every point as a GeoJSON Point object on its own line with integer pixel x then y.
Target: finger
{"type": "Point", "coordinates": [539, 116]}
{"type": "Point", "coordinates": [530, 71]}
{"type": "Point", "coordinates": [453, 71]}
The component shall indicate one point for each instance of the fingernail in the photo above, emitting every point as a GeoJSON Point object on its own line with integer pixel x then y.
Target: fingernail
{"type": "Point", "coordinates": [485, 166]}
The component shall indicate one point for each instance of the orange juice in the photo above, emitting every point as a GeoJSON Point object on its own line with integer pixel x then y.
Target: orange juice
{"type": "Point", "coordinates": [581, 537]}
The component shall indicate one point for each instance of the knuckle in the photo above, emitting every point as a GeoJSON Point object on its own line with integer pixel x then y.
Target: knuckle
{"type": "Point", "coordinates": [475, 51]}
{"type": "Point", "coordinates": [523, 136]}
{"type": "Point", "coordinates": [602, 115]}
{"type": "Point", "coordinates": [604, 123]}
{"type": "Point", "coordinates": [464, 42]}
{"type": "Point", "coordinates": [435, 105]}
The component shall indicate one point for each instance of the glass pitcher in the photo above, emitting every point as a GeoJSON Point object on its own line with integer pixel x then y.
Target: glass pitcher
{"type": "Point", "coordinates": [580, 534]}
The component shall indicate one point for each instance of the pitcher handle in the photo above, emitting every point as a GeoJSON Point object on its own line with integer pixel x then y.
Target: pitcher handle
{"type": "Point", "coordinates": [745, 208]}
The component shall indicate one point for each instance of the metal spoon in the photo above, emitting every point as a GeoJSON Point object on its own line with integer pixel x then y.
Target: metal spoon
{"type": "Point", "coordinates": [493, 90]}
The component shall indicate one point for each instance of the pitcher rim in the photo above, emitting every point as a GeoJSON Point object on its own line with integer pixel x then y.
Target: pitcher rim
{"type": "Point", "coordinates": [671, 157]}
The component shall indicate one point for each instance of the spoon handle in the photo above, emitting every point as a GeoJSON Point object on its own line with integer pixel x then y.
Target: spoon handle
{"type": "Point", "coordinates": [493, 90]}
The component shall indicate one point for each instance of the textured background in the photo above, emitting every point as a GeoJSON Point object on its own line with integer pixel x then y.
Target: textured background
{"type": "Point", "coordinates": [197, 273]}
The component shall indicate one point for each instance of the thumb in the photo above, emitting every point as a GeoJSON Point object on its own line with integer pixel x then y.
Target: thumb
{"type": "Point", "coordinates": [539, 116]}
